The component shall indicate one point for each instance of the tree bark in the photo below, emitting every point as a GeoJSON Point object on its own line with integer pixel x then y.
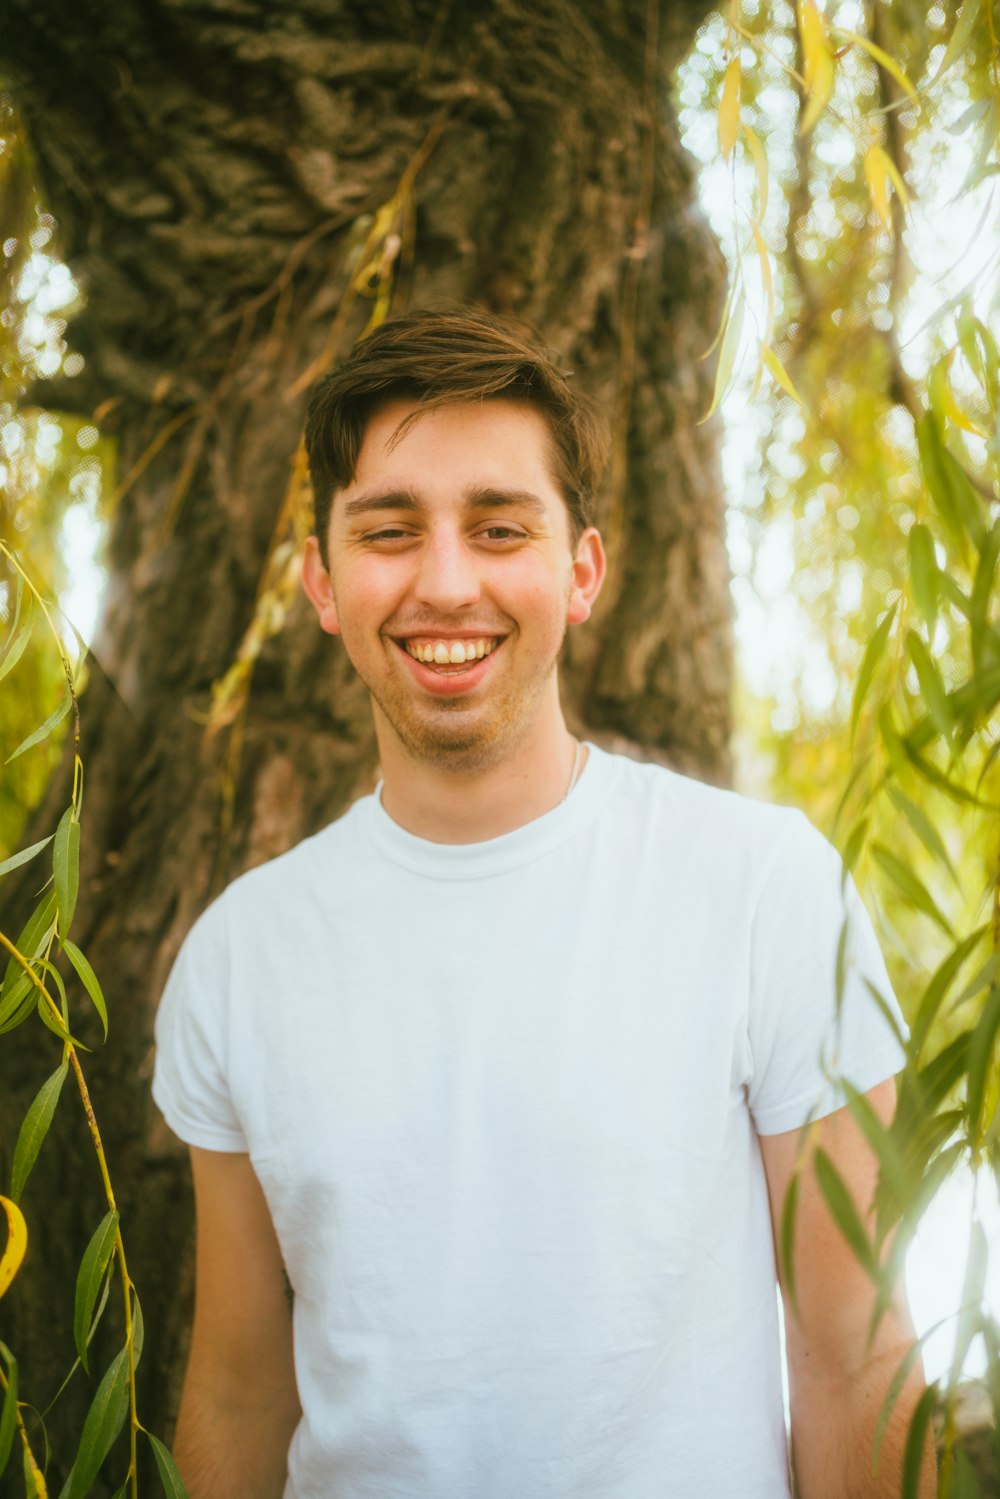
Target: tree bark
{"type": "Point", "coordinates": [213, 169]}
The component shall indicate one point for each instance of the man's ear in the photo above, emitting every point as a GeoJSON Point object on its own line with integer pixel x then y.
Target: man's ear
{"type": "Point", "coordinates": [589, 568]}
{"type": "Point", "coordinates": [318, 586]}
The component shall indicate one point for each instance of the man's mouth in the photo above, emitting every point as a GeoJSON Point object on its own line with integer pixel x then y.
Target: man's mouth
{"type": "Point", "coordinates": [449, 654]}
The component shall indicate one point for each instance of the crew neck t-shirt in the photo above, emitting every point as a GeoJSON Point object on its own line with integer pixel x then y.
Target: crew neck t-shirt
{"type": "Point", "coordinates": [503, 1100]}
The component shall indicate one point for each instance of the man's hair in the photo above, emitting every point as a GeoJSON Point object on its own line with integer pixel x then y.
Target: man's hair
{"type": "Point", "coordinates": [440, 358]}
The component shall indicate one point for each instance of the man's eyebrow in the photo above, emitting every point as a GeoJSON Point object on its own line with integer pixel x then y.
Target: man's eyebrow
{"type": "Point", "coordinates": [395, 499]}
{"type": "Point", "coordinates": [485, 497]}
{"type": "Point", "coordinates": [489, 498]}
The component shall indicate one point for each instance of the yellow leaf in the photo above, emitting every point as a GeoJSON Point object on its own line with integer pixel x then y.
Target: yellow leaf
{"type": "Point", "coordinates": [883, 58]}
{"type": "Point", "coordinates": [818, 59]}
{"type": "Point", "coordinates": [760, 167]}
{"type": "Point", "coordinates": [729, 109]}
{"type": "Point", "coordinates": [728, 352]}
{"type": "Point", "coordinates": [779, 372]}
{"type": "Point", "coordinates": [766, 279]}
{"type": "Point", "coordinates": [943, 397]}
{"type": "Point", "coordinates": [17, 1243]}
{"type": "Point", "coordinates": [878, 183]}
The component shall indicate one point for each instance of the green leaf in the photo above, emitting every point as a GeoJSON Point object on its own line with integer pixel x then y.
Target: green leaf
{"type": "Point", "coordinates": [869, 661]}
{"type": "Point", "coordinates": [52, 722]}
{"type": "Point", "coordinates": [924, 573]}
{"type": "Point", "coordinates": [8, 1419]}
{"type": "Point", "coordinates": [788, 1211]}
{"type": "Point", "coordinates": [982, 590]}
{"type": "Point", "coordinates": [14, 649]}
{"type": "Point", "coordinates": [972, 1300]}
{"type": "Point", "coordinates": [924, 829]}
{"type": "Point", "coordinates": [33, 938]}
{"type": "Point", "coordinates": [845, 1214]}
{"type": "Point", "coordinates": [93, 1268]}
{"type": "Point", "coordinates": [983, 979]}
{"type": "Point", "coordinates": [895, 746]}
{"type": "Point", "coordinates": [913, 1457]}
{"type": "Point", "coordinates": [66, 867]}
{"type": "Point", "coordinates": [930, 772]}
{"type": "Point", "coordinates": [105, 1420]}
{"type": "Point", "coordinates": [887, 1013]}
{"type": "Point", "coordinates": [982, 1049]}
{"type": "Point", "coordinates": [854, 844]}
{"type": "Point", "coordinates": [902, 1374]}
{"type": "Point", "coordinates": [16, 860]}
{"type": "Point", "coordinates": [88, 978]}
{"type": "Point", "coordinates": [882, 1141]}
{"type": "Point", "coordinates": [34, 1129]}
{"type": "Point", "coordinates": [138, 1329]}
{"type": "Point", "coordinates": [931, 446]}
{"type": "Point", "coordinates": [932, 689]}
{"type": "Point", "coordinates": [173, 1483]}
{"type": "Point", "coordinates": [938, 987]}
{"type": "Point", "coordinates": [912, 887]}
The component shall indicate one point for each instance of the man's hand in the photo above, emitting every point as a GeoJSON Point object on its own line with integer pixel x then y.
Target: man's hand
{"type": "Point", "coordinates": [836, 1385]}
{"type": "Point", "coordinates": [239, 1405]}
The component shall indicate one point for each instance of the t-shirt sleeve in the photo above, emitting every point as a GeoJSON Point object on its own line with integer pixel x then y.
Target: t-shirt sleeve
{"type": "Point", "coordinates": [800, 1042]}
{"type": "Point", "coordinates": [189, 1078]}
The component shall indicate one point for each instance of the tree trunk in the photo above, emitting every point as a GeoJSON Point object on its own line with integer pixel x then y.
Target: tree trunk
{"type": "Point", "coordinates": [214, 170]}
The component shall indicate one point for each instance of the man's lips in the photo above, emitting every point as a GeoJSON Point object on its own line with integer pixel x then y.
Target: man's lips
{"type": "Point", "coordinates": [451, 678]}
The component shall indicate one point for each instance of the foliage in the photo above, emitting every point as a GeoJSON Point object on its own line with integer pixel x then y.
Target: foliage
{"type": "Point", "coordinates": [896, 499]}
{"type": "Point", "coordinates": [35, 985]}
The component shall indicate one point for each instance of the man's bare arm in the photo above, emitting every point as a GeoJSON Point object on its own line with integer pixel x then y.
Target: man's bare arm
{"type": "Point", "coordinates": [836, 1386]}
{"type": "Point", "coordinates": [239, 1404]}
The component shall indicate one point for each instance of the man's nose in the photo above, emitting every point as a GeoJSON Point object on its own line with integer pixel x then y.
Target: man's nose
{"type": "Point", "coordinates": [448, 577]}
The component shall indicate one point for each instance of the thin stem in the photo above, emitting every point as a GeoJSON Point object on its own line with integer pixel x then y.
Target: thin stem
{"type": "Point", "coordinates": [102, 1162]}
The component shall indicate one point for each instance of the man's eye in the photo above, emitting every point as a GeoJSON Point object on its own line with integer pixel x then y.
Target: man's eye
{"type": "Point", "coordinates": [501, 533]}
{"type": "Point", "coordinates": [388, 533]}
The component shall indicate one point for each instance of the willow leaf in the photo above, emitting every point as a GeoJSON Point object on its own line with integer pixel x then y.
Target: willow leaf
{"type": "Point", "coordinates": [34, 1128]}
{"type": "Point", "coordinates": [66, 867]}
{"type": "Point", "coordinates": [89, 980]}
{"type": "Point", "coordinates": [173, 1483]}
{"type": "Point", "coordinates": [924, 829]}
{"type": "Point", "coordinates": [845, 1214]}
{"type": "Point", "coordinates": [982, 1053]}
{"type": "Point", "coordinates": [874, 651]}
{"type": "Point", "coordinates": [16, 860]}
{"type": "Point", "coordinates": [105, 1420]}
{"type": "Point", "coordinates": [52, 722]}
{"type": "Point", "coordinates": [93, 1267]}
{"type": "Point", "coordinates": [941, 982]}
{"type": "Point", "coordinates": [924, 573]}
{"type": "Point", "coordinates": [911, 885]}
{"type": "Point", "coordinates": [960, 38]}
{"type": "Point", "coordinates": [932, 689]}
{"type": "Point", "coordinates": [8, 1415]}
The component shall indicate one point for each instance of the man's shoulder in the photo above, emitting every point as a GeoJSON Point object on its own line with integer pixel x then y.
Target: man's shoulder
{"type": "Point", "coordinates": [659, 791]}
{"type": "Point", "coordinates": [278, 882]}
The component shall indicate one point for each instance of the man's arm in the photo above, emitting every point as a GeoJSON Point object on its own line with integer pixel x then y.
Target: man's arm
{"type": "Point", "coordinates": [239, 1404]}
{"type": "Point", "coordinates": [836, 1387]}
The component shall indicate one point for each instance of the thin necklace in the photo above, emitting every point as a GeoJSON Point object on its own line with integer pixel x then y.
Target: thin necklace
{"type": "Point", "coordinates": [573, 772]}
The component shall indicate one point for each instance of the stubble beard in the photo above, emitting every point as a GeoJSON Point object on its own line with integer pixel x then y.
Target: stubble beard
{"type": "Point", "coordinates": [451, 737]}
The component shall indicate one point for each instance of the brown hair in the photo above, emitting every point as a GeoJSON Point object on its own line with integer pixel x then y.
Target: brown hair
{"type": "Point", "coordinates": [437, 358]}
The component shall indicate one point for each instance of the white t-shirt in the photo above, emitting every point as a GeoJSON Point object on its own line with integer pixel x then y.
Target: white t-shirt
{"type": "Point", "coordinates": [503, 1101]}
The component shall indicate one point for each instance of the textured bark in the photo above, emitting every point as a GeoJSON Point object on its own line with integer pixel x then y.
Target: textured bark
{"type": "Point", "coordinates": [192, 153]}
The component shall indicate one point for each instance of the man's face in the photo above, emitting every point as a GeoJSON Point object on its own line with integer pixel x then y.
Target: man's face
{"type": "Point", "coordinates": [452, 578]}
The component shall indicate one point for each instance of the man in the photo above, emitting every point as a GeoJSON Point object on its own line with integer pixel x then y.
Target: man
{"type": "Point", "coordinates": [506, 1068]}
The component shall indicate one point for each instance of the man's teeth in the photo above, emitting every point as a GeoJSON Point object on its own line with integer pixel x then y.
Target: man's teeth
{"type": "Point", "coordinates": [441, 653]}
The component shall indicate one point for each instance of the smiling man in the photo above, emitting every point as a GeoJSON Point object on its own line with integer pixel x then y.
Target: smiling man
{"type": "Point", "coordinates": [504, 1072]}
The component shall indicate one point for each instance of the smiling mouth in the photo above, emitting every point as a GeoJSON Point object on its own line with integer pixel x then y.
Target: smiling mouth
{"type": "Point", "coordinates": [449, 655]}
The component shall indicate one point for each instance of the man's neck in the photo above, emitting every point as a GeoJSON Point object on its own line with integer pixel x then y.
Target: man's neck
{"type": "Point", "coordinates": [454, 805]}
